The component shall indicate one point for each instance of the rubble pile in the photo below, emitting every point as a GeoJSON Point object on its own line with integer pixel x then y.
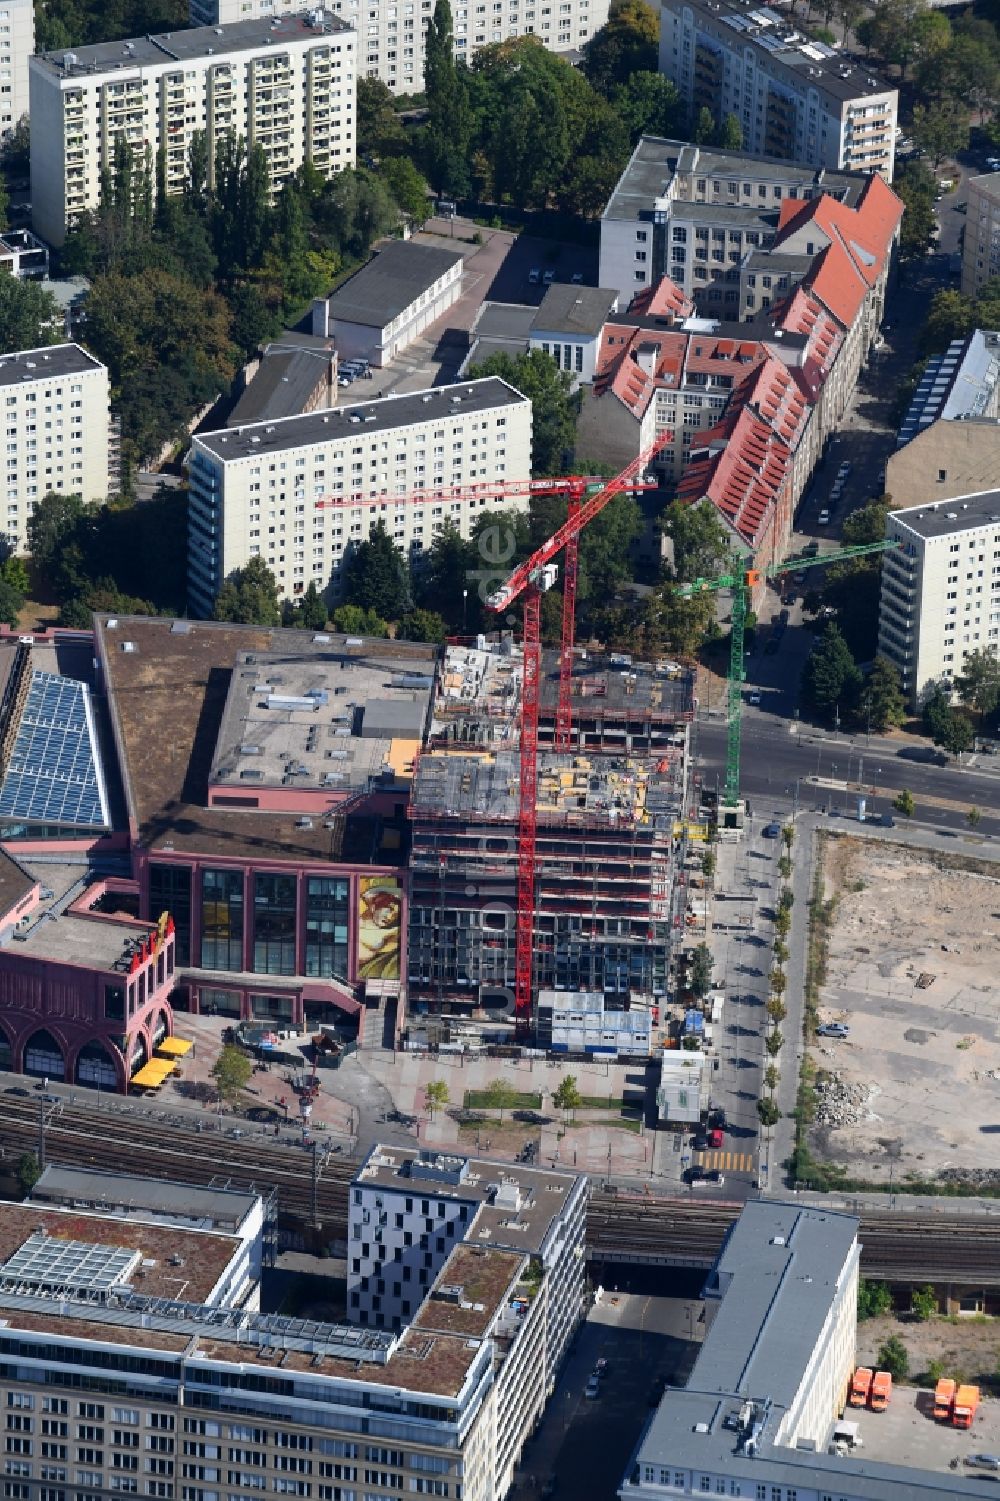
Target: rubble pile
{"type": "Point", "coordinates": [840, 1104]}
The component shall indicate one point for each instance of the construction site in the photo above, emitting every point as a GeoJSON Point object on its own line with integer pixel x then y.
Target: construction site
{"type": "Point", "coordinates": [610, 823]}
{"type": "Point", "coordinates": [910, 1091]}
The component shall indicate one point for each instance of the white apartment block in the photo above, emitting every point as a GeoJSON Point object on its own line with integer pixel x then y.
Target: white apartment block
{"type": "Point", "coordinates": [287, 85]}
{"type": "Point", "coordinates": [301, 491]}
{"type": "Point", "coordinates": [794, 98]}
{"type": "Point", "coordinates": [940, 588]}
{"type": "Point", "coordinates": [56, 404]}
{"type": "Point", "coordinates": [981, 244]}
{"type": "Point", "coordinates": [17, 43]}
{"type": "Point", "coordinates": [391, 32]}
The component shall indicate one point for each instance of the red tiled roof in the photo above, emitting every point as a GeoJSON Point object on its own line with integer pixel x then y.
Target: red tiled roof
{"type": "Point", "coordinates": [665, 299]}
{"type": "Point", "coordinates": [740, 470]}
{"type": "Point", "coordinates": [859, 239]}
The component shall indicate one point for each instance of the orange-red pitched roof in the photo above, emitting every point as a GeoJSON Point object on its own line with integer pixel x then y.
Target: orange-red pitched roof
{"type": "Point", "coordinates": [664, 299]}
{"type": "Point", "coordinates": [860, 239]}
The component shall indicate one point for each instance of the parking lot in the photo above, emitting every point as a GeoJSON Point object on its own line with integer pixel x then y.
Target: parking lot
{"type": "Point", "coordinates": [906, 1433]}
{"type": "Point", "coordinates": [585, 1443]}
{"type": "Point", "coordinates": [912, 974]}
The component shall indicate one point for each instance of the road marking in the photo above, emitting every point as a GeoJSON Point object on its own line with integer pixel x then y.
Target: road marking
{"type": "Point", "coordinates": [733, 1162]}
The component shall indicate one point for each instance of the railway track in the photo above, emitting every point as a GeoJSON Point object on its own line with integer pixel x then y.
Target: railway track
{"type": "Point", "coordinates": [939, 1248]}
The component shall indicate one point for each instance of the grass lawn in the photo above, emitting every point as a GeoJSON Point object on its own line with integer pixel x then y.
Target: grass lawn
{"type": "Point", "coordinates": [479, 1099]}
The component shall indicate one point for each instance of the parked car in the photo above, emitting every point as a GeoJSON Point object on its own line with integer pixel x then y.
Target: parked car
{"type": "Point", "coordinates": [715, 1178]}
{"type": "Point", "coordinates": [844, 469]}
{"type": "Point", "coordinates": [602, 1367]}
{"type": "Point", "coordinates": [772, 831]}
{"type": "Point", "coordinates": [823, 519]}
{"type": "Point", "coordinates": [549, 278]}
{"type": "Point", "coordinates": [983, 1461]}
{"type": "Point", "coordinates": [753, 697]}
{"type": "Point", "coordinates": [576, 279]}
{"type": "Point", "coordinates": [887, 821]}
{"type": "Point", "coordinates": [832, 1029]}
{"type": "Point", "coordinates": [593, 1388]}
{"type": "Point", "coordinates": [534, 276]}
{"type": "Point", "coordinates": [715, 1138]}
{"type": "Point", "coordinates": [717, 1118]}
{"type": "Point", "coordinates": [700, 1141]}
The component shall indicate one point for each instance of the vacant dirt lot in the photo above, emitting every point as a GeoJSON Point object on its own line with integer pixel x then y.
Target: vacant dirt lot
{"type": "Point", "coordinates": [969, 1349]}
{"type": "Point", "coordinates": [914, 969]}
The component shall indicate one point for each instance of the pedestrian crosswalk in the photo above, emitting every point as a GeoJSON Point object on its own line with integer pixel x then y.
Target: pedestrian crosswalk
{"type": "Point", "coordinates": [725, 1162]}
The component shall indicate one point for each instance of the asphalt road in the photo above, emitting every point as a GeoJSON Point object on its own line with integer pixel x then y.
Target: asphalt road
{"type": "Point", "coordinates": [780, 755]}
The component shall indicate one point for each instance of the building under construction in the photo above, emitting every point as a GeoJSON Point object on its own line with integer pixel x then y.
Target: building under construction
{"type": "Point", "coordinates": [610, 811]}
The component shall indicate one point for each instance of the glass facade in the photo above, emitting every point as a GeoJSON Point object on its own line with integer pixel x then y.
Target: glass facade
{"type": "Point", "coordinates": [222, 919]}
{"type": "Point", "coordinates": [219, 1002]}
{"type": "Point", "coordinates": [170, 891]}
{"type": "Point", "coordinates": [274, 924]}
{"type": "Point", "coordinates": [327, 908]}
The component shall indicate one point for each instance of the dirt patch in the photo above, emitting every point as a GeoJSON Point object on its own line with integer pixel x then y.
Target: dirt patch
{"type": "Point", "coordinates": [968, 1349]}
{"type": "Point", "coordinates": [914, 1090]}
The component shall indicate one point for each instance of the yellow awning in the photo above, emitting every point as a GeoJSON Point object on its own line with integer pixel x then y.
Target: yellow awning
{"type": "Point", "coordinates": [149, 1076]}
{"type": "Point", "coordinates": [174, 1047]}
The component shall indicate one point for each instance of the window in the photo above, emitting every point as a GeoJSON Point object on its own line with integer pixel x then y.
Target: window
{"type": "Point", "coordinates": [222, 919]}
{"type": "Point", "coordinates": [274, 925]}
{"type": "Point", "coordinates": [170, 891]}
{"type": "Point", "coordinates": [326, 926]}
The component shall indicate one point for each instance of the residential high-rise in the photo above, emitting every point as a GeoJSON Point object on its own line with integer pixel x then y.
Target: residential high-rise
{"type": "Point", "coordinates": [58, 438]}
{"type": "Point", "coordinates": [287, 85]}
{"type": "Point", "coordinates": [793, 97]}
{"type": "Point", "coordinates": [17, 43]}
{"type": "Point", "coordinates": [391, 35]}
{"type": "Point", "coordinates": [300, 491]}
{"type": "Point", "coordinates": [940, 588]}
{"type": "Point", "coordinates": [981, 241]}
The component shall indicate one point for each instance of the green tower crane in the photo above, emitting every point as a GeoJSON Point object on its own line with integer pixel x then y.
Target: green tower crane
{"type": "Point", "coordinates": [742, 578]}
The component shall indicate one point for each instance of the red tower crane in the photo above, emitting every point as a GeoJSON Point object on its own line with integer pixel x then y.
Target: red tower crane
{"type": "Point", "coordinates": [529, 579]}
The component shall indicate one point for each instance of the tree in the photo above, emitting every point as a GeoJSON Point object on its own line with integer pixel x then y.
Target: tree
{"type": "Point", "coordinates": [785, 868]}
{"type": "Point", "coordinates": [698, 540]}
{"type": "Point", "coordinates": [779, 951]}
{"type": "Point", "coordinates": [449, 129]}
{"type": "Point", "coordinates": [973, 818]}
{"type": "Point", "coordinates": [788, 835]}
{"type": "Point", "coordinates": [774, 1042]}
{"type": "Point", "coordinates": [352, 620]}
{"type": "Point", "coordinates": [447, 578]}
{"type": "Point", "coordinates": [701, 971]}
{"type": "Point", "coordinates": [11, 603]}
{"type": "Point", "coordinates": [830, 678]}
{"type": "Point", "coordinates": [436, 1095]}
{"type": "Point", "coordinates": [978, 684]}
{"type": "Point", "coordinates": [407, 186]}
{"type": "Point", "coordinates": [29, 315]}
{"type": "Point", "coordinates": [628, 43]}
{"type": "Point", "coordinates": [951, 731]}
{"type": "Point", "coordinates": [786, 899]}
{"type": "Point", "coordinates": [951, 317]}
{"type": "Point", "coordinates": [500, 1095]}
{"type": "Point", "coordinates": [553, 407]}
{"type": "Point", "coordinates": [772, 1077]}
{"type": "Point", "coordinates": [923, 1303]}
{"type": "Point", "coordinates": [567, 1097]}
{"type": "Point", "coordinates": [778, 981]}
{"type": "Point", "coordinates": [904, 804]}
{"type": "Point", "coordinates": [376, 577]}
{"type": "Point", "coordinates": [379, 129]}
{"type": "Point", "coordinates": [880, 702]}
{"type": "Point", "coordinates": [729, 136]}
{"type": "Point", "coordinates": [52, 536]}
{"type": "Point", "coordinates": [874, 1299]}
{"type": "Point", "coordinates": [421, 625]}
{"type": "Point", "coordinates": [15, 574]}
{"type": "Point", "coordinates": [782, 922]}
{"type": "Point", "coordinates": [893, 1357]}
{"type": "Point", "coordinates": [28, 1171]}
{"type": "Point", "coordinates": [249, 596]}
{"type": "Point", "coordinates": [916, 185]}
{"type": "Point", "coordinates": [708, 864]}
{"type": "Point", "coordinates": [649, 104]}
{"type": "Point", "coordinates": [768, 1113]}
{"type": "Point", "coordinates": [940, 129]}
{"type": "Point", "coordinates": [310, 612]}
{"type": "Point", "coordinates": [776, 1009]}
{"type": "Point", "coordinates": [231, 1072]}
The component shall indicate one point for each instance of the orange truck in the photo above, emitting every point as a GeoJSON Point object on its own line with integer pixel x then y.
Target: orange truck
{"type": "Point", "coordinates": [964, 1410]}
{"type": "Point", "coordinates": [860, 1387]}
{"type": "Point", "coordinates": [881, 1391]}
{"type": "Point", "coordinates": [944, 1398]}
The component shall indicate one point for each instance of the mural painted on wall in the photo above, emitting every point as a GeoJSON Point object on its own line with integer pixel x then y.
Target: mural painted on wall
{"type": "Point", "coordinates": [380, 911]}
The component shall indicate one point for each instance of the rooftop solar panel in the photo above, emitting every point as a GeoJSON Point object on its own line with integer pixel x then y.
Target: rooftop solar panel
{"type": "Point", "coordinates": [54, 772]}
